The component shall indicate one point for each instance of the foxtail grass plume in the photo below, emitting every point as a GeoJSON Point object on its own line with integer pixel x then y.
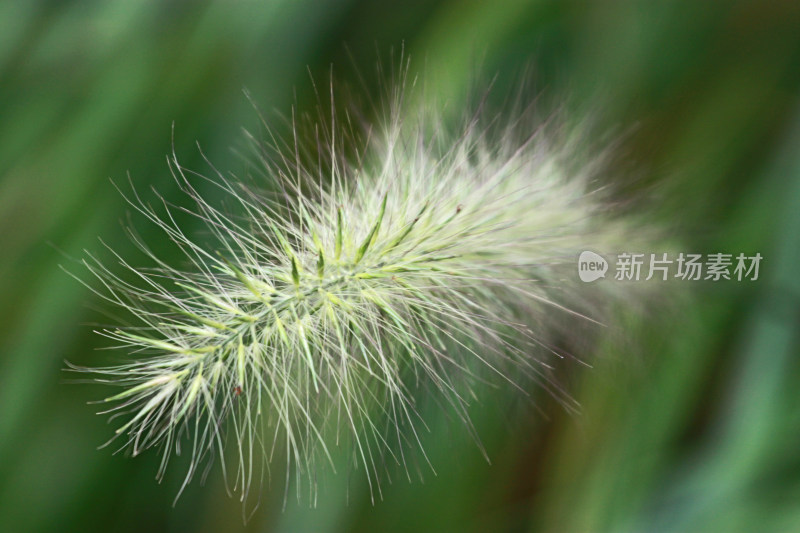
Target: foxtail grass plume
{"type": "Point", "coordinates": [347, 283]}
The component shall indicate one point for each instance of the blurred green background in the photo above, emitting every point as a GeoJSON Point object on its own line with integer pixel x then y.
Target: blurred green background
{"type": "Point", "coordinates": [694, 427]}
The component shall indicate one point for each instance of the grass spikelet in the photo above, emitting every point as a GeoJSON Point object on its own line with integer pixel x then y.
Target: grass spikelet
{"type": "Point", "coordinates": [418, 264]}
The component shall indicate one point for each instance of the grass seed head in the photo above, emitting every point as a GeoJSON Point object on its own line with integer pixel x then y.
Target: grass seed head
{"type": "Point", "coordinates": [419, 264]}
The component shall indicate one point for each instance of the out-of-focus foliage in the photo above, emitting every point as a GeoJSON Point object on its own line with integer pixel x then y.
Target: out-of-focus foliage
{"type": "Point", "coordinates": [692, 425]}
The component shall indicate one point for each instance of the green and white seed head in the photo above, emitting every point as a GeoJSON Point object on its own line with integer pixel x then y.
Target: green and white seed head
{"type": "Point", "coordinates": [421, 265]}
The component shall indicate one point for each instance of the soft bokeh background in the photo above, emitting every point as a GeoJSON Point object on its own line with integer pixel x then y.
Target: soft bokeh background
{"type": "Point", "coordinates": [695, 428]}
